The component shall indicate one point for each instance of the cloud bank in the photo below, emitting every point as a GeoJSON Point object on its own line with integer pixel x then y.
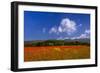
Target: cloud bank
{"type": "Point", "coordinates": [84, 35]}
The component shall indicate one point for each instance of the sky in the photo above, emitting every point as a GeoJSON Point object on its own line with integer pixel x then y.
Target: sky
{"type": "Point", "coordinates": [55, 25]}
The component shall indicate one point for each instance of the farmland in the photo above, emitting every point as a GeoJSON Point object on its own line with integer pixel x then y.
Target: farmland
{"type": "Point", "coordinates": [45, 53]}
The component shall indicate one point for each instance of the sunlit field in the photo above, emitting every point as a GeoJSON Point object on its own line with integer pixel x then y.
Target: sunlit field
{"type": "Point", "coordinates": [47, 53]}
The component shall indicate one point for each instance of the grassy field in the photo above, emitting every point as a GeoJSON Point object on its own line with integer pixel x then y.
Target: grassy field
{"type": "Point", "coordinates": [45, 53]}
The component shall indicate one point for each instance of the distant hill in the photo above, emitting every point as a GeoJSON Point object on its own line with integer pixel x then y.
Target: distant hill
{"type": "Point", "coordinates": [85, 40]}
{"type": "Point", "coordinates": [57, 42]}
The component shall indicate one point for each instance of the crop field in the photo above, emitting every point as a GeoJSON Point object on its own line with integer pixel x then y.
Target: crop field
{"type": "Point", "coordinates": [47, 53]}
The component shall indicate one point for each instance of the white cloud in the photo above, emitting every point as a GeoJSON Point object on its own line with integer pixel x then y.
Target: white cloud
{"type": "Point", "coordinates": [66, 38]}
{"type": "Point", "coordinates": [69, 26]}
{"type": "Point", "coordinates": [87, 31]}
{"type": "Point", "coordinates": [72, 38]}
{"type": "Point", "coordinates": [62, 38]}
{"type": "Point", "coordinates": [53, 30]}
{"type": "Point", "coordinates": [44, 30]}
{"type": "Point", "coordinates": [66, 26]}
{"type": "Point", "coordinates": [86, 34]}
{"type": "Point", "coordinates": [82, 36]}
{"type": "Point", "coordinates": [60, 29]}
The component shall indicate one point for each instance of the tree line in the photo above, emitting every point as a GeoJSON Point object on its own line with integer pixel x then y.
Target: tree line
{"type": "Point", "coordinates": [56, 43]}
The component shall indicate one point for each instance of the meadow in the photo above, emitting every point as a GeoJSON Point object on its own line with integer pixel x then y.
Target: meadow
{"type": "Point", "coordinates": [47, 53]}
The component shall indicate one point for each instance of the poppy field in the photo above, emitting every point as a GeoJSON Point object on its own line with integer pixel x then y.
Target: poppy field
{"type": "Point", "coordinates": [47, 53]}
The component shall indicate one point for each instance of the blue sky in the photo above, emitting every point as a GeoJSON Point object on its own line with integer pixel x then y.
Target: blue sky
{"type": "Point", "coordinates": [54, 25]}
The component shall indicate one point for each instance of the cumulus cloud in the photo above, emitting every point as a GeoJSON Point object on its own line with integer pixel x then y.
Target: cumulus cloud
{"type": "Point", "coordinates": [69, 26]}
{"type": "Point", "coordinates": [86, 34]}
{"type": "Point", "coordinates": [66, 26]}
{"type": "Point", "coordinates": [53, 30]}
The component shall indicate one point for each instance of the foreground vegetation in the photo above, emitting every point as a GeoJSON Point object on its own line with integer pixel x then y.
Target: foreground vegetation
{"type": "Point", "coordinates": [47, 53]}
